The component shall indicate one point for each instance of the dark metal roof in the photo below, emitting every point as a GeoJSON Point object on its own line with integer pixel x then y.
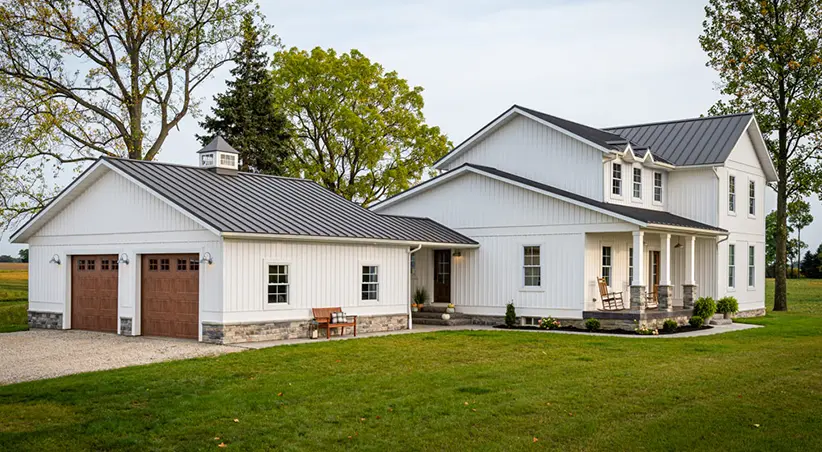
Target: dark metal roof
{"type": "Point", "coordinates": [596, 136]}
{"type": "Point", "coordinates": [649, 216]}
{"type": "Point", "coordinates": [698, 141]}
{"type": "Point", "coordinates": [256, 203]}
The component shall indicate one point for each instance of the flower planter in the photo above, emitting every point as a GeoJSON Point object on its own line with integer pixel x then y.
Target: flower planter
{"type": "Point", "coordinates": [728, 315]}
{"type": "Point", "coordinates": [446, 316]}
{"type": "Point", "coordinates": [449, 310]}
{"type": "Point", "coordinates": [415, 309]}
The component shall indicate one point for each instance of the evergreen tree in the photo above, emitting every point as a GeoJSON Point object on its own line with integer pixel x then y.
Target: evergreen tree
{"type": "Point", "coordinates": [246, 115]}
{"type": "Point", "coordinates": [811, 265]}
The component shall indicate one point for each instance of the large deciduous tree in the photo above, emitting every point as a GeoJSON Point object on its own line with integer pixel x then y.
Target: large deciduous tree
{"type": "Point", "coordinates": [246, 114]}
{"type": "Point", "coordinates": [84, 78]}
{"type": "Point", "coordinates": [357, 129]}
{"type": "Point", "coordinates": [769, 59]}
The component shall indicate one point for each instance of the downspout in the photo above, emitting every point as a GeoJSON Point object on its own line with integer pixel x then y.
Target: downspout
{"type": "Point", "coordinates": [718, 214]}
{"type": "Point", "coordinates": [408, 302]}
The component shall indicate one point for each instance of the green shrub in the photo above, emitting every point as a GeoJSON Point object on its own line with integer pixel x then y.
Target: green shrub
{"type": "Point", "coordinates": [510, 315]}
{"type": "Point", "coordinates": [669, 325]}
{"type": "Point", "coordinates": [592, 325]}
{"type": "Point", "coordinates": [696, 321]}
{"type": "Point", "coordinates": [705, 307]}
{"type": "Point", "coordinates": [727, 305]}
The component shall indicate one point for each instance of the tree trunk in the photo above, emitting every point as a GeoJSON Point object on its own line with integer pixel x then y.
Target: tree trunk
{"type": "Point", "coordinates": [780, 298]}
{"type": "Point", "coordinates": [799, 251]}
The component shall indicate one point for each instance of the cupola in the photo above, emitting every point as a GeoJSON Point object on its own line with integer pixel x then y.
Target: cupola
{"type": "Point", "coordinates": [219, 157]}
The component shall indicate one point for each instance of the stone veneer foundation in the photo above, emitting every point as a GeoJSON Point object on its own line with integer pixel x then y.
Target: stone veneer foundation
{"type": "Point", "coordinates": [47, 320]}
{"type": "Point", "coordinates": [750, 313]}
{"type": "Point", "coordinates": [217, 333]}
{"type": "Point", "coordinates": [612, 320]}
{"type": "Point", "coordinates": [126, 328]}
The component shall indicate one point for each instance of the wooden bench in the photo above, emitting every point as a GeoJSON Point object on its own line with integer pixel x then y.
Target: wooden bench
{"type": "Point", "coordinates": [323, 318]}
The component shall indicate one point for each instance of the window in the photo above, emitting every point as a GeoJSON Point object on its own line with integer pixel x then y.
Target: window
{"type": "Point", "coordinates": [732, 193]}
{"type": "Point", "coordinates": [531, 266]}
{"type": "Point", "coordinates": [90, 264]}
{"type": "Point", "coordinates": [370, 282]}
{"type": "Point", "coordinates": [115, 265]}
{"type": "Point", "coordinates": [227, 160]}
{"type": "Point", "coordinates": [164, 265]}
{"type": "Point", "coordinates": [731, 266]}
{"type": "Point", "coordinates": [194, 265]}
{"type": "Point", "coordinates": [207, 160]}
{"type": "Point", "coordinates": [638, 183]}
{"type": "Point", "coordinates": [181, 264]}
{"type": "Point", "coordinates": [658, 187]}
{"type": "Point", "coordinates": [616, 179]}
{"type": "Point", "coordinates": [278, 284]}
{"type": "Point", "coordinates": [630, 265]}
{"type": "Point", "coordinates": [104, 264]}
{"type": "Point", "coordinates": [152, 265]}
{"type": "Point", "coordinates": [606, 264]}
{"type": "Point", "coordinates": [751, 198]}
{"type": "Point", "coordinates": [751, 267]}
{"type": "Point", "coordinates": [81, 264]}
{"type": "Point", "coordinates": [413, 264]}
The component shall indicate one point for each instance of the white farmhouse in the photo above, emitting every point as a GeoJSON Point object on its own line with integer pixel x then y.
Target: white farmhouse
{"type": "Point", "coordinates": [675, 206]}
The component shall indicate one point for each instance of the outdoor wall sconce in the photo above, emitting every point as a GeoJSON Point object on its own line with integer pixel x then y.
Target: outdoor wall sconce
{"type": "Point", "coordinates": [207, 258]}
{"type": "Point", "coordinates": [457, 253]}
{"type": "Point", "coordinates": [123, 259]}
{"type": "Point", "coordinates": [55, 260]}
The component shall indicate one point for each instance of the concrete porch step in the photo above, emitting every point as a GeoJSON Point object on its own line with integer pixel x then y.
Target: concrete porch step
{"type": "Point", "coordinates": [452, 322]}
{"type": "Point", "coordinates": [721, 321]}
{"type": "Point", "coordinates": [433, 308]}
{"type": "Point", "coordinates": [431, 315]}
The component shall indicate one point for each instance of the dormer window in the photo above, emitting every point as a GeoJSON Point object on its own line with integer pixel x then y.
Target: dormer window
{"type": "Point", "coordinates": [219, 156]}
{"type": "Point", "coordinates": [637, 183]}
{"type": "Point", "coordinates": [207, 160]}
{"type": "Point", "coordinates": [228, 160]}
{"type": "Point", "coordinates": [616, 179]}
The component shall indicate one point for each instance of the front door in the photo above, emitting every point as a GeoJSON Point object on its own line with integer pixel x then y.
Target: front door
{"type": "Point", "coordinates": [442, 276]}
{"type": "Point", "coordinates": [653, 271]}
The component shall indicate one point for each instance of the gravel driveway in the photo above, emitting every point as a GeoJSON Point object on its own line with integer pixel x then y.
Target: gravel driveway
{"type": "Point", "coordinates": [39, 354]}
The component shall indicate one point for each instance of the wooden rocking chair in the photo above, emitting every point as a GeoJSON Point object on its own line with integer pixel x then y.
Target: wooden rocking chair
{"type": "Point", "coordinates": [652, 298]}
{"type": "Point", "coordinates": [611, 301]}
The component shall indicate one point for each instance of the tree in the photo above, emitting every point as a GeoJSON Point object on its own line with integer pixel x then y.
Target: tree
{"type": "Point", "coordinates": [24, 255]}
{"type": "Point", "coordinates": [5, 258]}
{"type": "Point", "coordinates": [358, 130]}
{"type": "Point", "coordinates": [84, 78]}
{"type": "Point", "coordinates": [246, 115]}
{"type": "Point", "coordinates": [767, 54]}
{"type": "Point", "coordinates": [812, 265]}
{"type": "Point", "coordinates": [799, 216]}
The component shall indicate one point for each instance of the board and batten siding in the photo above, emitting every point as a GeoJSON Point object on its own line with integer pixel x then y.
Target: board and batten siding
{"type": "Point", "coordinates": [114, 216]}
{"type": "Point", "coordinates": [321, 274]}
{"type": "Point", "coordinates": [532, 150]}
{"type": "Point", "coordinates": [693, 193]}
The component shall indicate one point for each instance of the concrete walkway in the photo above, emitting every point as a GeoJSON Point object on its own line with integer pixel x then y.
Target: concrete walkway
{"type": "Point", "coordinates": [717, 329]}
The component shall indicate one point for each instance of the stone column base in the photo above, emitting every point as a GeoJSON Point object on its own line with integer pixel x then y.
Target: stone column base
{"type": "Point", "coordinates": [46, 320]}
{"type": "Point", "coordinates": [126, 327]}
{"type": "Point", "coordinates": [637, 298]}
{"type": "Point", "coordinates": [665, 295]}
{"type": "Point", "coordinates": [688, 295]}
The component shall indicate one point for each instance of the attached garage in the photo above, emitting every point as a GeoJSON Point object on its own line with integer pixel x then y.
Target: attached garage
{"type": "Point", "coordinates": [170, 293]}
{"type": "Point", "coordinates": [94, 292]}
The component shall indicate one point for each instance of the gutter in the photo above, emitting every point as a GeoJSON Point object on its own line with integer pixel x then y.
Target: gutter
{"type": "Point", "coordinates": [357, 240]}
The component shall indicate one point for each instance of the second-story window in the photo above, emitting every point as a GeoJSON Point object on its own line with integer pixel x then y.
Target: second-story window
{"type": "Point", "coordinates": [751, 197]}
{"type": "Point", "coordinates": [637, 182]}
{"type": "Point", "coordinates": [658, 187]}
{"type": "Point", "coordinates": [732, 193]}
{"type": "Point", "coordinates": [616, 179]}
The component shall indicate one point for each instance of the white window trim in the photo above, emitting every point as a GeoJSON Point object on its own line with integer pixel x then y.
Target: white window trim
{"type": "Point", "coordinates": [735, 196]}
{"type": "Point", "coordinates": [630, 263]}
{"type": "Point", "coordinates": [275, 306]}
{"type": "Point", "coordinates": [360, 283]}
{"type": "Point", "coordinates": [611, 266]}
{"type": "Point", "coordinates": [751, 215]}
{"type": "Point", "coordinates": [523, 287]}
{"type": "Point", "coordinates": [731, 288]}
{"type": "Point", "coordinates": [661, 188]}
{"type": "Point", "coordinates": [641, 181]}
{"type": "Point", "coordinates": [621, 180]}
{"type": "Point", "coordinates": [751, 268]}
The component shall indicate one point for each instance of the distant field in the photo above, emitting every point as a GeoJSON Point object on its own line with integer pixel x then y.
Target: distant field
{"type": "Point", "coordinates": [14, 286]}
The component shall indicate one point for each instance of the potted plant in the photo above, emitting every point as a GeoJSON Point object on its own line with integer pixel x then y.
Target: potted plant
{"type": "Point", "coordinates": [450, 308]}
{"type": "Point", "coordinates": [705, 307]}
{"type": "Point", "coordinates": [420, 298]}
{"type": "Point", "coordinates": [728, 306]}
{"type": "Point", "coordinates": [414, 307]}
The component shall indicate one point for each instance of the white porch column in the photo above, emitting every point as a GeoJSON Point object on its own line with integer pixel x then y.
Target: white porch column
{"type": "Point", "coordinates": [665, 290]}
{"type": "Point", "coordinates": [637, 285]}
{"type": "Point", "coordinates": [689, 287]}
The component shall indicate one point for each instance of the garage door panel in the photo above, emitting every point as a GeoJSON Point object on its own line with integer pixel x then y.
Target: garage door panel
{"type": "Point", "coordinates": [170, 295]}
{"type": "Point", "coordinates": [94, 283]}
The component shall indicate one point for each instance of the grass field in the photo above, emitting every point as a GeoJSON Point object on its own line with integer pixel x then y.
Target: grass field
{"type": "Point", "coordinates": [14, 285]}
{"type": "Point", "coordinates": [754, 390]}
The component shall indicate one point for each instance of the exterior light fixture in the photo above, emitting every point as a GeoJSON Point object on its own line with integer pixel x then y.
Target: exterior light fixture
{"type": "Point", "coordinates": [123, 259]}
{"type": "Point", "coordinates": [207, 258]}
{"type": "Point", "coordinates": [457, 253]}
{"type": "Point", "coordinates": [678, 245]}
{"type": "Point", "coordinates": [55, 260]}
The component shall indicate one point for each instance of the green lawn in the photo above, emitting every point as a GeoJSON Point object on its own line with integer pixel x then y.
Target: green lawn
{"type": "Point", "coordinates": [492, 390]}
{"type": "Point", "coordinates": [14, 285]}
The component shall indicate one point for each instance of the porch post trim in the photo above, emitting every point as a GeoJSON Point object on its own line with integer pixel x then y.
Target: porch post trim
{"type": "Point", "coordinates": [665, 258]}
{"type": "Point", "coordinates": [690, 252]}
{"type": "Point", "coordinates": [637, 285]}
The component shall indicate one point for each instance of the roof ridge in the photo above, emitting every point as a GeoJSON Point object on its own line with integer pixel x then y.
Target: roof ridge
{"type": "Point", "coordinates": [656, 123]}
{"type": "Point", "coordinates": [183, 165]}
{"type": "Point", "coordinates": [564, 119]}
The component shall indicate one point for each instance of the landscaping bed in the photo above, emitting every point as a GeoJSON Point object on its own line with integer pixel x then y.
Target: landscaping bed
{"type": "Point", "coordinates": [682, 329]}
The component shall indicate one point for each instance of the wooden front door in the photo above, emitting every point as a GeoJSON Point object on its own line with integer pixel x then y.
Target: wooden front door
{"type": "Point", "coordinates": [170, 295]}
{"type": "Point", "coordinates": [653, 270]}
{"type": "Point", "coordinates": [94, 293]}
{"type": "Point", "coordinates": [442, 276]}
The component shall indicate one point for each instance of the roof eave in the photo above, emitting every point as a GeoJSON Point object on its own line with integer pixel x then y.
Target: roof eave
{"type": "Point", "coordinates": [360, 240]}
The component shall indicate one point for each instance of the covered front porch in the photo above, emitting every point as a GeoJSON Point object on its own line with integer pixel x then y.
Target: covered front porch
{"type": "Point", "coordinates": [650, 270]}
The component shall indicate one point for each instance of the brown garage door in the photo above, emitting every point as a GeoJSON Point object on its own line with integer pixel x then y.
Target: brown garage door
{"type": "Point", "coordinates": [94, 293]}
{"type": "Point", "coordinates": [170, 295]}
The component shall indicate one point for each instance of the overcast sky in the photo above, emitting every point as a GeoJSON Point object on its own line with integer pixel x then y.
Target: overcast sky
{"type": "Point", "coordinates": [601, 63]}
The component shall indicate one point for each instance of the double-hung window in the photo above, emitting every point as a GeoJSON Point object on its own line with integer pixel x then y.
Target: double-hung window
{"type": "Point", "coordinates": [277, 284]}
{"type": "Point", "coordinates": [731, 265]}
{"type": "Point", "coordinates": [638, 183]}
{"type": "Point", "coordinates": [751, 198]}
{"type": "Point", "coordinates": [630, 266]}
{"type": "Point", "coordinates": [606, 264]}
{"type": "Point", "coordinates": [751, 267]}
{"type": "Point", "coordinates": [732, 193]}
{"type": "Point", "coordinates": [370, 283]}
{"type": "Point", "coordinates": [658, 187]}
{"type": "Point", "coordinates": [531, 268]}
{"type": "Point", "coordinates": [616, 178]}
